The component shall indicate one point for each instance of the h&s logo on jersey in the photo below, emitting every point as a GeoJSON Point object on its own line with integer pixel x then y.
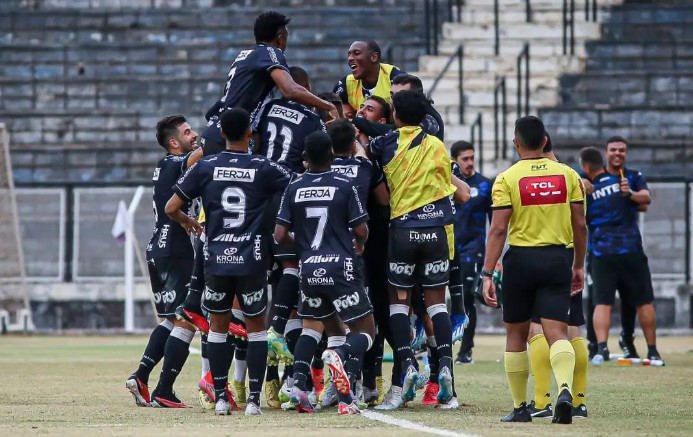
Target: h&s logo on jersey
{"type": "Point", "coordinates": [286, 114]}
{"type": "Point", "coordinates": [543, 190]}
{"type": "Point", "coordinates": [234, 174]}
{"type": "Point", "coordinates": [348, 269]}
{"type": "Point", "coordinates": [350, 171]}
{"type": "Point", "coordinates": [311, 194]}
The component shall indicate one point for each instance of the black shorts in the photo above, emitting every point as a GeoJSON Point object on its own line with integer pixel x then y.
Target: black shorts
{"type": "Point", "coordinates": [326, 291]}
{"type": "Point", "coordinates": [170, 278]}
{"type": "Point", "coordinates": [576, 317]}
{"type": "Point", "coordinates": [536, 283]}
{"type": "Point", "coordinates": [250, 290]}
{"type": "Point", "coordinates": [418, 256]}
{"type": "Point", "coordinates": [629, 273]}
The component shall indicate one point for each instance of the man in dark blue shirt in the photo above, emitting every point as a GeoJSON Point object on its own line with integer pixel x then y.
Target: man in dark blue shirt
{"type": "Point", "coordinates": [235, 188]}
{"type": "Point", "coordinates": [252, 77]}
{"type": "Point", "coordinates": [170, 260]}
{"type": "Point", "coordinates": [470, 240]}
{"type": "Point", "coordinates": [618, 259]}
{"type": "Point", "coordinates": [328, 219]}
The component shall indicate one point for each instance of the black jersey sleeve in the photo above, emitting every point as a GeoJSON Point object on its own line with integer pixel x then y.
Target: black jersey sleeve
{"type": "Point", "coordinates": [284, 216]}
{"type": "Point", "coordinates": [190, 184]}
{"type": "Point", "coordinates": [271, 58]}
{"type": "Point", "coordinates": [278, 177]}
{"type": "Point", "coordinates": [357, 213]}
{"type": "Point", "coordinates": [372, 129]}
{"type": "Point", "coordinates": [340, 90]}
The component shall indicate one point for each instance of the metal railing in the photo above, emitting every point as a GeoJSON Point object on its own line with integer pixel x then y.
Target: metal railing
{"type": "Point", "coordinates": [593, 4]}
{"type": "Point", "coordinates": [496, 22]}
{"type": "Point", "coordinates": [434, 19]}
{"type": "Point", "coordinates": [459, 55]}
{"type": "Point", "coordinates": [477, 139]}
{"type": "Point", "coordinates": [569, 27]}
{"type": "Point", "coordinates": [500, 108]}
{"type": "Point", "coordinates": [523, 81]}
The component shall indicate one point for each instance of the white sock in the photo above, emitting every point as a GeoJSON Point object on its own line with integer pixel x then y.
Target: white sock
{"type": "Point", "coordinates": [239, 369]}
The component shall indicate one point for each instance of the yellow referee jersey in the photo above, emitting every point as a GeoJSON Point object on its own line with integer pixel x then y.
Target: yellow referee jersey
{"type": "Point", "coordinates": [540, 192]}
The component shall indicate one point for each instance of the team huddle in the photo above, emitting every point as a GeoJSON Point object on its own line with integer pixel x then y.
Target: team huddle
{"type": "Point", "coordinates": [347, 206]}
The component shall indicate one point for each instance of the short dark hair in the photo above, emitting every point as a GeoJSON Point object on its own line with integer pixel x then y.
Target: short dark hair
{"type": "Point", "coordinates": [373, 47]}
{"type": "Point", "coordinates": [167, 127]}
{"type": "Point", "coordinates": [235, 122]}
{"type": "Point", "coordinates": [268, 24]}
{"type": "Point", "coordinates": [592, 158]}
{"type": "Point", "coordinates": [410, 107]}
{"type": "Point", "coordinates": [335, 100]}
{"type": "Point", "coordinates": [548, 147]}
{"type": "Point", "coordinates": [342, 134]}
{"type": "Point", "coordinates": [300, 76]}
{"type": "Point", "coordinates": [318, 147]}
{"type": "Point", "coordinates": [384, 105]}
{"type": "Point", "coordinates": [530, 130]}
{"type": "Point", "coordinates": [459, 147]}
{"type": "Point", "coordinates": [616, 139]}
{"type": "Point", "coordinates": [406, 78]}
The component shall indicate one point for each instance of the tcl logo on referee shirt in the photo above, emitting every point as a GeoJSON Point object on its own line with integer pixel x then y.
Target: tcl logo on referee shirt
{"type": "Point", "coordinates": [543, 190]}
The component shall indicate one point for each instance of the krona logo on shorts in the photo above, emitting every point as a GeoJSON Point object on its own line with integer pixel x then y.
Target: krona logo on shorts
{"type": "Point", "coordinates": [346, 301]}
{"type": "Point", "coordinates": [351, 171]}
{"type": "Point", "coordinates": [543, 190]}
{"type": "Point", "coordinates": [316, 259]}
{"type": "Point", "coordinates": [315, 193]}
{"type": "Point", "coordinates": [252, 297]}
{"type": "Point", "coordinates": [288, 114]}
{"type": "Point", "coordinates": [436, 267]}
{"type": "Point", "coordinates": [234, 174]}
{"type": "Point", "coordinates": [402, 268]}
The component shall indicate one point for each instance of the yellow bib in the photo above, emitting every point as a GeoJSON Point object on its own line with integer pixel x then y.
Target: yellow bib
{"type": "Point", "coordinates": [354, 87]}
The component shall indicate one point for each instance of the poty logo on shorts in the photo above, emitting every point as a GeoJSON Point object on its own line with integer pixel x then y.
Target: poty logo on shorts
{"type": "Point", "coordinates": [288, 114]}
{"type": "Point", "coordinates": [310, 194]}
{"type": "Point", "coordinates": [257, 248]}
{"type": "Point", "coordinates": [348, 269]}
{"type": "Point", "coordinates": [319, 273]}
{"type": "Point", "coordinates": [436, 267]}
{"type": "Point", "coordinates": [313, 302]}
{"type": "Point", "coordinates": [252, 297]}
{"type": "Point", "coordinates": [402, 268]}
{"type": "Point", "coordinates": [346, 301]}
{"type": "Point", "coordinates": [230, 251]}
{"type": "Point", "coordinates": [212, 296]}
{"type": "Point", "coordinates": [165, 297]}
{"type": "Point", "coordinates": [234, 174]}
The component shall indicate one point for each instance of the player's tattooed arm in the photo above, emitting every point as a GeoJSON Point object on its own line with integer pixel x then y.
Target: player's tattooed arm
{"type": "Point", "coordinates": [173, 210]}
{"type": "Point", "coordinates": [463, 193]}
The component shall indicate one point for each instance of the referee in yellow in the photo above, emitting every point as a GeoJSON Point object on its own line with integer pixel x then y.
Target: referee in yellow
{"type": "Point", "coordinates": [539, 205]}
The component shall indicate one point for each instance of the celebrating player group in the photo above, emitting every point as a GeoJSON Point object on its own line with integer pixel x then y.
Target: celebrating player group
{"type": "Point", "coordinates": [311, 230]}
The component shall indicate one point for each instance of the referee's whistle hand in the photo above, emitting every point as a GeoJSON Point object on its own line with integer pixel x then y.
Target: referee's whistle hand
{"type": "Point", "coordinates": [578, 281]}
{"type": "Point", "coordinates": [489, 292]}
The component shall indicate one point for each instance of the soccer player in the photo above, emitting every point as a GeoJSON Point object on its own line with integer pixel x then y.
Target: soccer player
{"type": "Point", "coordinates": [375, 110]}
{"type": "Point", "coordinates": [352, 162]}
{"type": "Point", "coordinates": [284, 126]}
{"type": "Point", "coordinates": [322, 208]}
{"type": "Point", "coordinates": [235, 187]}
{"type": "Point", "coordinates": [170, 262]}
{"type": "Point", "coordinates": [253, 75]}
{"type": "Point", "coordinates": [432, 123]}
{"type": "Point", "coordinates": [470, 241]}
{"type": "Point", "coordinates": [618, 259]}
{"type": "Point", "coordinates": [418, 175]}
{"type": "Point", "coordinates": [538, 205]}
{"type": "Point", "coordinates": [369, 77]}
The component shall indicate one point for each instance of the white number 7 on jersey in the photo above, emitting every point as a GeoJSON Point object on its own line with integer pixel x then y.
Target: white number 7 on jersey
{"type": "Point", "coordinates": [321, 214]}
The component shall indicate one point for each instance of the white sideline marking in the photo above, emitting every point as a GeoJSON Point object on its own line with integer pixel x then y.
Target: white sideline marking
{"type": "Point", "coordinates": [410, 425]}
{"type": "Point", "coordinates": [194, 350]}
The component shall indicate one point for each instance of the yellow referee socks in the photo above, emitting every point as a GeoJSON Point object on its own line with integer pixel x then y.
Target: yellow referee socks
{"type": "Point", "coordinates": [580, 374]}
{"type": "Point", "coordinates": [541, 370]}
{"type": "Point", "coordinates": [563, 364]}
{"type": "Point", "coordinates": [517, 371]}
